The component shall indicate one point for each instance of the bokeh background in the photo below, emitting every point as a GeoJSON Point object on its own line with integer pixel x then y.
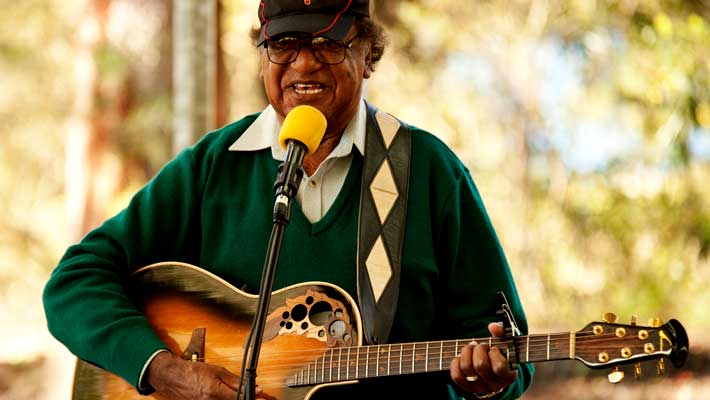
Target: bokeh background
{"type": "Point", "coordinates": [585, 123]}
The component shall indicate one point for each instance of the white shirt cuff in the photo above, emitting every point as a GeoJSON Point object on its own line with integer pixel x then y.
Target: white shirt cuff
{"type": "Point", "coordinates": [143, 386]}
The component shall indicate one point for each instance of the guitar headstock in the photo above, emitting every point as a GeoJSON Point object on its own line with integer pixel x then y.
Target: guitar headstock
{"type": "Point", "coordinates": [607, 344]}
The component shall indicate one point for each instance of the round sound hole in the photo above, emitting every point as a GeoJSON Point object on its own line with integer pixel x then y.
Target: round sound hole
{"type": "Point", "coordinates": [320, 313]}
{"type": "Point", "coordinates": [299, 312]}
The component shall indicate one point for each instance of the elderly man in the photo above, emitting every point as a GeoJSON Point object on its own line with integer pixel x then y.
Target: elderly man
{"type": "Point", "coordinates": [211, 207]}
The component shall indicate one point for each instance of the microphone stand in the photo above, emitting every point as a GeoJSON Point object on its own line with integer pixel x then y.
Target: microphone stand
{"type": "Point", "coordinates": [288, 179]}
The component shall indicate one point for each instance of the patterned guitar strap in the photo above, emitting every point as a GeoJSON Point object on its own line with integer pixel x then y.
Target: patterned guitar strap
{"type": "Point", "coordinates": [383, 210]}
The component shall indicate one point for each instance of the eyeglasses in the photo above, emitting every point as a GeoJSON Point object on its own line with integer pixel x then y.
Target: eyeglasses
{"type": "Point", "coordinates": [285, 50]}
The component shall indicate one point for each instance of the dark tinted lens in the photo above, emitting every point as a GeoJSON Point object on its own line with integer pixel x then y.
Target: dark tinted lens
{"type": "Point", "coordinates": [283, 50]}
{"type": "Point", "coordinates": [324, 44]}
{"type": "Point", "coordinates": [286, 49]}
{"type": "Point", "coordinates": [285, 44]}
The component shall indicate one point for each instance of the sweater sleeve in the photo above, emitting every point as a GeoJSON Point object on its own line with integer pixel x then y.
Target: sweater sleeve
{"type": "Point", "coordinates": [85, 300]}
{"type": "Point", "coordinates": [475, 270]}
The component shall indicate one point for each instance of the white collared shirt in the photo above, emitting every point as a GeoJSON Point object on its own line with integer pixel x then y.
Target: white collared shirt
{"type": "Point", "coordinates": [317, 192]}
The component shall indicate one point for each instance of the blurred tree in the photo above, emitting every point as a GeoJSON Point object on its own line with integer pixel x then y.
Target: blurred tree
{"type": "Point", "coordinates": [576, 119]}
{"type": "Point", "coordinates": [200, 98]}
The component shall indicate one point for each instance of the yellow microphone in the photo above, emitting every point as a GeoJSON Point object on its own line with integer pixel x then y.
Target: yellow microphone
{"type": "Point", "coordinates": [301, 133]}
{"type": "Point", "coordinates": [304, 124]}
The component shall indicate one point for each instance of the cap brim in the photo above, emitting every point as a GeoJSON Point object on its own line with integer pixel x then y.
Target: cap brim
{"type": "Point", "coordinates": [308, 23]}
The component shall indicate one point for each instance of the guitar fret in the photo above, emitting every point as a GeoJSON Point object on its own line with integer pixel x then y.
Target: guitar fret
{"type": "Point", "coordinates": [401, 354]}
{"type": "Point", "coordinates": [414, 350]}
{"type": "Point", "coordinates": [340, 354]}
{"type": "Point", "coordinates": [426, 358]}
{"type": "Point", "coordinates": [308, 368]}
{"type": "Point", "coordinates": [322, 374]}
{"type": "Point", "coordinates": [527, 350]}
{"type": "Point", "coordinates": [377, 361]}
{"type": "Point", "coordinates": [357, 362]}
{"type": "Point", "coordinates": [389, 353]}
{"type": "Point", "coordinates": [548, 346]}
{"type": "Point", "coordinates": [572, 343]}
{"type": "Point", "coordinates": [347, 366]}
{"type": "Point", "coordinates": [330, 378]}
{"type": "Point", "coordinates": [441, 355]}
{"type": "Point", "coordinates": [367, 361]}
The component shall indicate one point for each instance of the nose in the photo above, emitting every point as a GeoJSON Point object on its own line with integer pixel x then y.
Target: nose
{"type": "Point", "coordinates": [306, 60]}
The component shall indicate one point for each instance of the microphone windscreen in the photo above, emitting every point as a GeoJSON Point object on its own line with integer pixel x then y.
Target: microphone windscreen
{"type": "Point", "coordinates": [305, 124]}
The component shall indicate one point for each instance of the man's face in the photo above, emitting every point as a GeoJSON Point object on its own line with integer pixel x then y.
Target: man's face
{"type": "Point", "coordinates": [332, 89]}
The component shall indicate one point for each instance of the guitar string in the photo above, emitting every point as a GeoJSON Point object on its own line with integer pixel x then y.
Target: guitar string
{"type": "Point", "coordinates": [353, 365]}
{"type": "Point", "coordinates": [597, 344]}
{"type": "Point", "coordinates": [539, 341]}
{"type": "Point", "coordinates": [288, 370]}
{"type": "Point", "coordinates": [407, 353]}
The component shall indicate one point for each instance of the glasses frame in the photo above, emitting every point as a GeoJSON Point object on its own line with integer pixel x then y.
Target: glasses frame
{"type": "Point", "coordinates": [304, 41]}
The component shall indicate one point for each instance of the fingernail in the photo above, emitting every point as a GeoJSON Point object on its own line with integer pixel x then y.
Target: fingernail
{"type": "Point", "coordinates": [473, 342]}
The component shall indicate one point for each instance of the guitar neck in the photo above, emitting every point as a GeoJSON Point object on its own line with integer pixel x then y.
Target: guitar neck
{"type": "Point", "coordinates": [349, 363]}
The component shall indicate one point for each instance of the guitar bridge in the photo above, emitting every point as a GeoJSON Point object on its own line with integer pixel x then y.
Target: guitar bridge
{"type": "Point", "coordinates": [195, 350]}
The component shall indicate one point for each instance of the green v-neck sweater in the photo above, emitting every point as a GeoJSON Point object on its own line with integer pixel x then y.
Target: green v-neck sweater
{"type": "Point", "coordinates": [212, 207]}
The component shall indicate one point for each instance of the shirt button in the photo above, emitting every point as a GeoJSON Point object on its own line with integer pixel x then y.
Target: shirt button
{"type": "Point", "coordinates": [312, 183]}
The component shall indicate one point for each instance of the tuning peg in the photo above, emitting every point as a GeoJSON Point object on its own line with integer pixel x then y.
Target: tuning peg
{"type": "Point", "coordinates": [655, 322]}
{"type": "Point", "coordinates": [616, 376]}
{"type": "Point", "coordinates": [637, 370]}
{"type": "Point", "coordinates": [661, 367]}
{"type": "Point", "coordinates": [633, 320]}
{"type": "Point", "coordinates": [609, 317]}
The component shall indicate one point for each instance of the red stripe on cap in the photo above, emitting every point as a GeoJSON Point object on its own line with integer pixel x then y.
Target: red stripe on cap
{"type": "Point", "coordinates": [266, 24]}
{"type": "Point", "coordinates": [337, 17]}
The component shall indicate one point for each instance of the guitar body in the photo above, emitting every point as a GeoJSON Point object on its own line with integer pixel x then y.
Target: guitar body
{"type": "Point", "coordinates": [304, 321]}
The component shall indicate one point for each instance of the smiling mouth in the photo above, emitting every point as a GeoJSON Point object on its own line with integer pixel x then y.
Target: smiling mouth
{"type": "Point", "coordinates": [308, 88]}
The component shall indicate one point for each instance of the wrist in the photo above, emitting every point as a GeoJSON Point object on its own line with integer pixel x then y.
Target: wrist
{"type": "Point", "coordinates": [489, 395]}
{"type": "Point", "coordinates": [154, 373]}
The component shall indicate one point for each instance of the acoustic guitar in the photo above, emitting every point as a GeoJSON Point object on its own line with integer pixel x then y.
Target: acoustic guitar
{"type": "Point", "coordinates": [313, 338]}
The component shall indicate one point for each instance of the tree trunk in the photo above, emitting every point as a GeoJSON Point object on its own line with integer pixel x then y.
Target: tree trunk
{"type": "Point", "coordinates": [196, 70]}
{"type": "Point", "coordinates": [85, 143]}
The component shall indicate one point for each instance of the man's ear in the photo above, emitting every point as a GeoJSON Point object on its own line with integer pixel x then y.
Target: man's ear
{"type": "Point", "coordinates": [367, 71]}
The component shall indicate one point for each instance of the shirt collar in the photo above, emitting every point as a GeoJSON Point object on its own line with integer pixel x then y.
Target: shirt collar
{"type": "Point", "coordinates": [263, 133]}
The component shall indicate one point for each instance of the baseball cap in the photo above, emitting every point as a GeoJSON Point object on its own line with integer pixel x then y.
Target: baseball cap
{"type": "Point", "coordinates": [327, 18]}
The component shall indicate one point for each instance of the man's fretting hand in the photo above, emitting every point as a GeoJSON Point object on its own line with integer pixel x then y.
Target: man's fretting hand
{"type": "Point", "coordinates": [482, 370]}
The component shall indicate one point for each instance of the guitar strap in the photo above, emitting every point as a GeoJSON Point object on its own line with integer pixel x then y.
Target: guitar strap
{"type": "Point", "coordinates": [383, 210]}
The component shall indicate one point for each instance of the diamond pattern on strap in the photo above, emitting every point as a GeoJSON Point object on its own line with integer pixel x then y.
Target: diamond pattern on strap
{"type": "Point", "coordinates": [379, 268]}
{"type": "Point", "coordinates": [384, 191]}
{"type": "Point", "coordinates": [389, 127]}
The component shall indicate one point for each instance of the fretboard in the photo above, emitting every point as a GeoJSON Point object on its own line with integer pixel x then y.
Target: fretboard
{"type": "Point", "coordinates": [349, 363]}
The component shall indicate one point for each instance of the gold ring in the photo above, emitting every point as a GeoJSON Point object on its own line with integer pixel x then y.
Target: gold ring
{"type": "Point", "coordinates": [472, 378]}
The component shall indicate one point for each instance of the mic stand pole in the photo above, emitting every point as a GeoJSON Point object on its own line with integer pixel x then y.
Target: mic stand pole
{"type": "Point", "coordinates": [287, 182]}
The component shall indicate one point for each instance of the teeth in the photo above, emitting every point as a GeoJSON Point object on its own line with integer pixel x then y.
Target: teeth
{"type": "Point", "coordinates": [308, 88]}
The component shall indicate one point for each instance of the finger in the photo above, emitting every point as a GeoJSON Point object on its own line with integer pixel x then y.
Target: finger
{"type": "Point", "coordinates": [496, 329]}
{"type": "Point", "coordinates": [228, 378]}
{"type": "Point", "coordinates": [459, 378]}
{"type": "Point", "coordinates": [501, 366]}
{"type": "Point", "coordinates": [466, 360]}
{"type": "Point", "coordinates": [482, 364]}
